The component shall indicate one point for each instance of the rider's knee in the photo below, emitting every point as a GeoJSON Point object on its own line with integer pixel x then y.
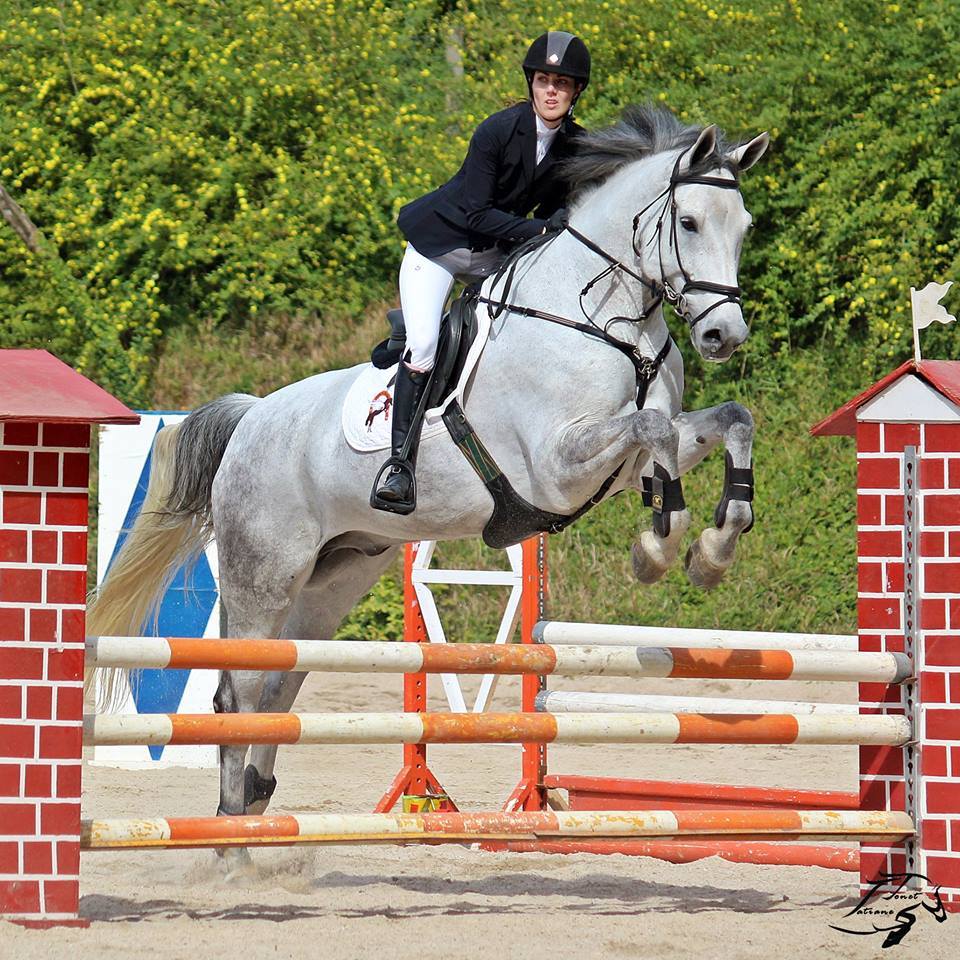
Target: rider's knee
{"type": "Point", "coordinates": [420, 353]}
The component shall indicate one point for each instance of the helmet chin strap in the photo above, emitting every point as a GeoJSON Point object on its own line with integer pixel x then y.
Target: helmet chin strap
{"type": "Point", "coordinates": [573, 102]}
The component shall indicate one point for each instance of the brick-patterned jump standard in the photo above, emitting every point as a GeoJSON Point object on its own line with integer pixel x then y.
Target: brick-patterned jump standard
{"type": "Point", "coordinates": [908, 435]}
{"type": "Point", "coordinates": [907, 429]}
{"type": "Point", "coordinates": [46, 410]}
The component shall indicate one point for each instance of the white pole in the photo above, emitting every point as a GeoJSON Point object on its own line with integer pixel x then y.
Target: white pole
{"type": "Point", "coordinates": [557, 701]}
{"type": "Point", "coordinates": [561, 632]}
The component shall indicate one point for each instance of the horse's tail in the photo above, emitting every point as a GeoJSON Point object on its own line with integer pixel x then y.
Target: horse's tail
{"type": "Point", "coordinates": [172, 528]}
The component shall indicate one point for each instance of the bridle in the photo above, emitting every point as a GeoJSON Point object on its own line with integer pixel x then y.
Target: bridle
{"type": "Point", "coordinates": [646, 368]}
{"type": "Point", "coordinates": [678, 299]}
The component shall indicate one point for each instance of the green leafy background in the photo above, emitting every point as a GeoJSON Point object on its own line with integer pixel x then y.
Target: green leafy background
{"type": "Point", "coordinates": [218, 180]}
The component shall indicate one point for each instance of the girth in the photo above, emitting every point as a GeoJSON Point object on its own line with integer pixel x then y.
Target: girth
{"type": "Point", "coordinates": [514, 519]}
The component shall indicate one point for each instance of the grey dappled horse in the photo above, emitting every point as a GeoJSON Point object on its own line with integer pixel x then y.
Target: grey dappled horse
{"type": "Point", "coordinates": [657, 214]}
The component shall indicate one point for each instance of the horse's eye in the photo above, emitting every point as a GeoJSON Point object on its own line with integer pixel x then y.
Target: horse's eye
{"type": "Point", "coordinates": [688, 224]}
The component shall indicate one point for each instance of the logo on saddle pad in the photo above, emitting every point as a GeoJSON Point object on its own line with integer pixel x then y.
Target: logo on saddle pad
{"type": "Point", "coordinates": [381, 403]}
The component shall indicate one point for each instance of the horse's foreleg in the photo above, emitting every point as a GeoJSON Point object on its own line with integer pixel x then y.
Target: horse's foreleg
{"type": "Point", "coordinates": [710, 556]}
{"type": "Point", "coordinates": [615, 440]}
{"type": "Point", "coordinates": [657, 549]}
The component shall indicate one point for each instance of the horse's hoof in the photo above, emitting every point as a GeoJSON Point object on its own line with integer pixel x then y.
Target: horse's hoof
{"type": "Point", "coordinates": [237, 866]}
{"type": "Point", "coordinates": [701, 572]}
{"type": "Point", "coordinates": [644, 567]}
{"type": "Point", "coordinates": [246, 876]}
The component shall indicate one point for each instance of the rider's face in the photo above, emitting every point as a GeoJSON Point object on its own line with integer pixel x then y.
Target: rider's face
{"type": "Point", "coordinates": [552, 95]}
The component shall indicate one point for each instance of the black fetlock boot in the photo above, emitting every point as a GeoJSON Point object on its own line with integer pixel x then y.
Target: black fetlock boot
{"type": "Point", "coordinates": [398, 491]}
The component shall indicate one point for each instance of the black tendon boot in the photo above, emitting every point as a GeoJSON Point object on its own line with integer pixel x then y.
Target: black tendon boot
{"type": "Point", "coordinates": [398, 491]}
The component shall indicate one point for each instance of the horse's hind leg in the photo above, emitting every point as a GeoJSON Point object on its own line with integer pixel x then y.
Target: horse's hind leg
{"type": "Point", "coordinates": [238, 692]}
{"type": "Point", "coordinates": [278, 694]}
{"type": "Point", "coordinates": [257, 586]}
{"type": "Point", "coordinates": [712, 553]}
{"type": "Point", "coordinates": [339, 581]}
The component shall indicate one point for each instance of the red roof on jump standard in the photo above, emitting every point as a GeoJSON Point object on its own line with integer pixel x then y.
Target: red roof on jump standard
{"type": "Point", "coordinates": [35, 385]}
{"type": "Point", "coordinates": [942, 375]}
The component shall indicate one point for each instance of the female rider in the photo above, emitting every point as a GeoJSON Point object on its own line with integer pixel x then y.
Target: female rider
{"type": "Point", "coordinates": [463, 229]}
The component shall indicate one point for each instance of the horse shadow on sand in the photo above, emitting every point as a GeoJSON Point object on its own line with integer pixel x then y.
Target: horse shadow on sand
{"type": "Point", "coordinates": [596, 894]}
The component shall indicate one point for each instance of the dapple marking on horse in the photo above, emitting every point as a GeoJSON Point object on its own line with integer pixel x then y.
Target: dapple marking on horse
{"type": "Point", "coordinates": [287, 499]}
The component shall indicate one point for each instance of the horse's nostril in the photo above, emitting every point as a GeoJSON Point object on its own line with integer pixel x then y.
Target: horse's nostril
{"type": "Point", "coordinates": [721, 341]}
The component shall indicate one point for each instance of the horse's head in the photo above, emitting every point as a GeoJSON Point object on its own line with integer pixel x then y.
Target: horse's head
{"type": "Point", "coordinates": [689, 238]}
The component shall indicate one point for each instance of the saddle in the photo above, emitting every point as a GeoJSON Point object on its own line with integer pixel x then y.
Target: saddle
{"type": "Point", "coordinates": [513, 519]}
{"type": "Point", "coordinates": [458, 329]}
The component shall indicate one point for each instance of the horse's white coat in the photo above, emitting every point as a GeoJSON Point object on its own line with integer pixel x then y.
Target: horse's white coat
{"type": "Point", "coordinates": [555, 407]}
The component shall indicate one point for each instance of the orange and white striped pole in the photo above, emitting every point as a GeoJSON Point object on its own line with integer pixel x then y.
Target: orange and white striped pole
{"type": "Point", "coordinates": [347, 656]}
{"type": "Point", "coordinates": [423, 728]}
{"type": "Point", "coordinates": [455, 827]}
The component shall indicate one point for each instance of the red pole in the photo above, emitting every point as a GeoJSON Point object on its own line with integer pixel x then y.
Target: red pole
{"type": "Point", "coordinates": [530, 793]}
{"type": "Point", "coordinates": [415, 785]}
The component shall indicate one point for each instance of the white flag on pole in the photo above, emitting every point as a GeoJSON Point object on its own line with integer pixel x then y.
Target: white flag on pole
{"type": "Point", "coordinates": [927, 308]}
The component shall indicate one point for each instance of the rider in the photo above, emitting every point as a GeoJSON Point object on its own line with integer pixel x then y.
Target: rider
{"type": "Point", "coordinates": [462, 229]}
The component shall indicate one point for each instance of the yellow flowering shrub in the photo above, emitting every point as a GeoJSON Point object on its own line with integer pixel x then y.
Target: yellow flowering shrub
{"type": "Point", "coordinates": [207, 161]}
{"type": "Point", "coordinates": [213, 161]}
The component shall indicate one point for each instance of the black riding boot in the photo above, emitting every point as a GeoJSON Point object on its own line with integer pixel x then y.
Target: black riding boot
{"type": "Point", "coordinates": [399, 489]}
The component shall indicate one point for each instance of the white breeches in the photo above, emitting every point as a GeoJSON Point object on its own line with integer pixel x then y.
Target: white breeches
{"type": "Point", "coordinates": [424, 287]}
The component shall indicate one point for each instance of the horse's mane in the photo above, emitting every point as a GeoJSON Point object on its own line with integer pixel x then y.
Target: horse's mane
{"type": "Point", "coordinates": [642, 131]}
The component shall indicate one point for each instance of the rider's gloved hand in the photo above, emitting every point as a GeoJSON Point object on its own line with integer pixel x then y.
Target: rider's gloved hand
{"type": "Point", "coordinates": [557, 221]}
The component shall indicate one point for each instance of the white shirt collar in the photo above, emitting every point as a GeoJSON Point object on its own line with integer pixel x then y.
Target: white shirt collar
{"type": "Point", "coordinates": [545, 136]}
{"type": "Point", "coordinates": [543, 131]}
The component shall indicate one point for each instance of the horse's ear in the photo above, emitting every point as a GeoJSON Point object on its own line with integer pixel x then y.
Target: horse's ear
{"type": "Point", "coordinates": [747, 154]}
{"type": "Point", "coordinates": [706, 144]}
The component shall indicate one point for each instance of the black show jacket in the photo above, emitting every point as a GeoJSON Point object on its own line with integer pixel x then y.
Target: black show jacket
{"type": "Point", "coordinates": [488, 199]}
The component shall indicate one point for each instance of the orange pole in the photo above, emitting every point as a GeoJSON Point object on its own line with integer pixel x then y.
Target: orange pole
{"type": "Point", "coordinates": [415, 780]}
{"type": "Point", "coordinates": [530, 794]}
{"type": "Point", "coordinates": [684, 851]}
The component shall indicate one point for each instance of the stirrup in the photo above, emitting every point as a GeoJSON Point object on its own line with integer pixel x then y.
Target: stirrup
{"type": "Point", "coordinates": [402, 507]}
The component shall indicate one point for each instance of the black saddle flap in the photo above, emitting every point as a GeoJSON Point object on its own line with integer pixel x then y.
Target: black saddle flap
{"type": "Point", "coordinates": [387, 353]}
{"type": "Point", "coordinates": [457, 332]}
{"type": "Point", "coordinates": [383, 356]}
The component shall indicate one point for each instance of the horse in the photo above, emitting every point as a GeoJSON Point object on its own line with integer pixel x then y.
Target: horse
{"type": "Point", "coordinates": [572, 412]}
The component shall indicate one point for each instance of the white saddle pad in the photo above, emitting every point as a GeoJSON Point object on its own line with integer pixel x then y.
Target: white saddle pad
{"type": "Point", "coordinates": [367, 411]}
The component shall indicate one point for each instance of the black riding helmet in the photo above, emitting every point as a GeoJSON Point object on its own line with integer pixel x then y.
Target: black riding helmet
{"type": "Point", "coordinates": [558, 52]}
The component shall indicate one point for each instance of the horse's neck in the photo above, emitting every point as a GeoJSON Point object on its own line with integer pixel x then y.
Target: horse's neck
{"type": "Point", "coordinates": [568, 377]}
{"type": "Point", "coordinates": [552, 279]}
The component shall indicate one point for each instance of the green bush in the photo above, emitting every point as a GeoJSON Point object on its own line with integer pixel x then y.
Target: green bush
{"type": "Point", "coordinates": [204, 162]}
{"type": "Point", "coordinates": [199, 165]}
{"type": "Point", "coordinates": [218, 182]}
{"type": "Point", "coordinates": [378, 616]}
